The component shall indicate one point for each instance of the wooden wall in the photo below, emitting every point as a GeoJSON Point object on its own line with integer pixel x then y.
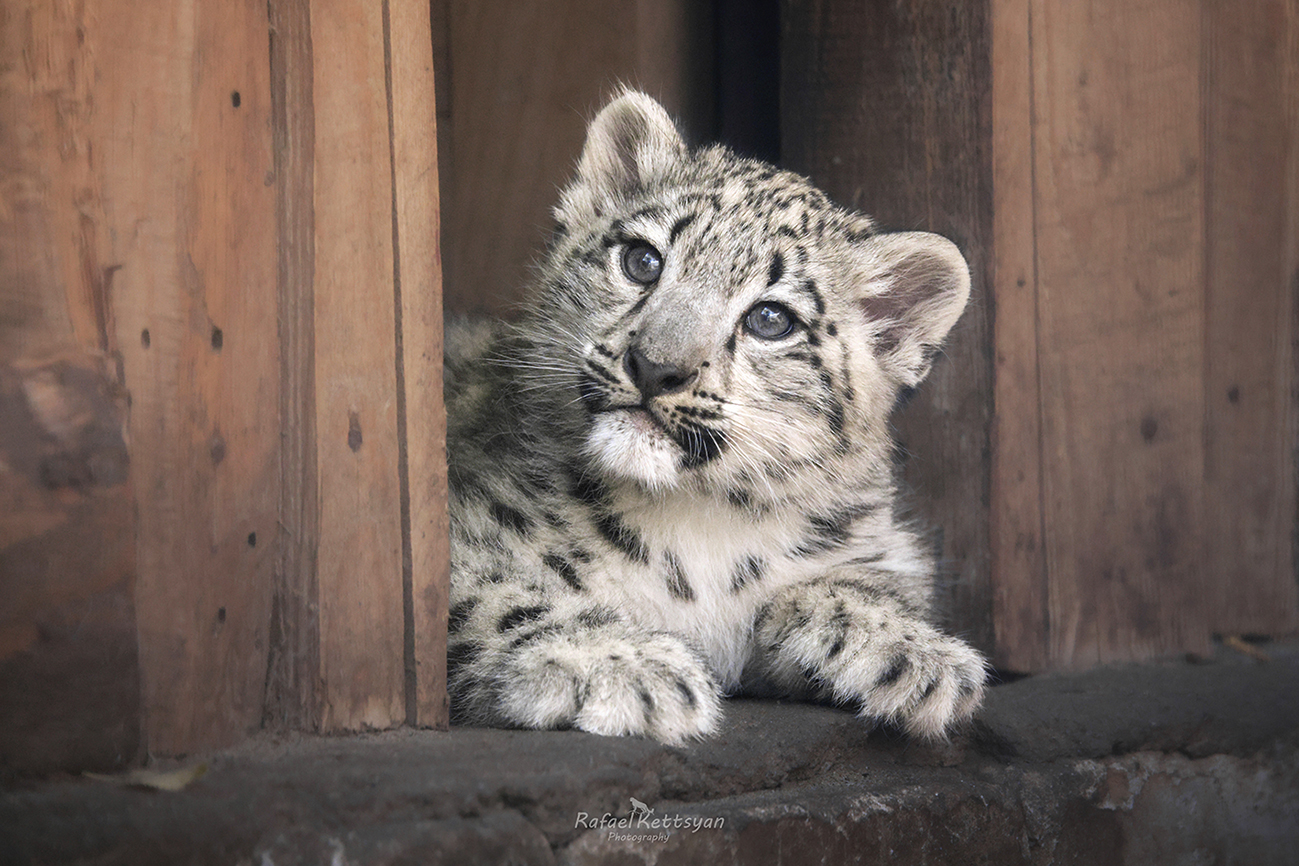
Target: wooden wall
{"type": "Point", "coordinates": [223, 216]}
{"type": "Point", "coordinates": [1147, 195]}
{"type": "Point", "coordinates": [519, 79]}
{"type": "Point", "coordinates": [1107, 449]}
{"type": "Point", "coordinates": [222, 502]}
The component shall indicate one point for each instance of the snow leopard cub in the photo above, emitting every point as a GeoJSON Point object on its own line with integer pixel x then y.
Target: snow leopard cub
{"type": "Point", "coordinates": [672, 480]}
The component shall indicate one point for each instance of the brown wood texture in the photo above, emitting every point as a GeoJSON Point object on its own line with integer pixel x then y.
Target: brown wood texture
{"type": "Point", "coordinates": [183, 145]}
{"type": "Point", "coordinates": [886, 107]}
{"type": "Point", "coordinates": [426, 559]}
{"type": "Point", "coordinates": [204, 215]}
{"type": "Point", "coordinates": [1144, 168]}
{"type": "Point", "coordinates": [523, 77]}
{"type": "Point", "coordinates": [293, 699]}
{"type": "Point", "coordinates": [1017, 543]}
{"type": "Point", "coordinates": [69, 660]}
{"type": "Point", "coordinates": [1252, 192]}
{"type": "Point", "coordinates": [1119, 216]}
{"type": "Point", "coordinates": [359, 625]}
{"type": "Point", "coordinates": [359, 554]}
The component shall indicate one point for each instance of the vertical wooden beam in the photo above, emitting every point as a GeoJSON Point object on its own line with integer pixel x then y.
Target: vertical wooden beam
{"type": "Point", "coordinates": [886, 106]}
{"type": "Point", "coordinates": [359, 554]}
{"type": "Point", "coordinates": [1018, 551]}
{"type": "Point", "coordinates": [182, 135]}
{"type": "Point", "coordinates": [1119, 169]}
{"type": "Point", "coordinates": [426, 563]}
{"type": "Point", "coordinates": [293, 700]}
{"type": "Point", "coordinates": [69, 660]}
{"type": "Point", "coordinates": [1251, 147]}
{"type": "Point", "coordinates": [360, 604]}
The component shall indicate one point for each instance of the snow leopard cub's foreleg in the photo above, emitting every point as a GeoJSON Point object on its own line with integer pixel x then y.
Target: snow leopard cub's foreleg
{"type": "Point", "coordinates": [852, 640]}
{"type": "Point", "coordinates": [611, 681]}
{"type": "Point", "coordinates": [540, 665]}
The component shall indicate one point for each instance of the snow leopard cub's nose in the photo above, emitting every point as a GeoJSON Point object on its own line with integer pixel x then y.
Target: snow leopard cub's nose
{"type": "Point", "coordinates": [652, 378]}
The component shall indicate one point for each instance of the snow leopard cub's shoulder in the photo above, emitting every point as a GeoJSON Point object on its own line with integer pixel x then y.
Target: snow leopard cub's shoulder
{"type": "Point", "coordinates": [671, 480]}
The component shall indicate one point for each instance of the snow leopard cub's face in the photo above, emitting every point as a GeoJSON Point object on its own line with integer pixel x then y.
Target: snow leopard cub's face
{"type": "Point", "coordinates": [714, 322]}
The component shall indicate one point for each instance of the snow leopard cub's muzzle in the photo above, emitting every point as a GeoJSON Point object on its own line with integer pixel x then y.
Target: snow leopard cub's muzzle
{"type": "Point", "coordinates": [650, 420]}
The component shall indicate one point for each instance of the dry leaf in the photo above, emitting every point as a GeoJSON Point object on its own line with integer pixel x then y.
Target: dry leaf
{"type": "Point", "coordinates": [160, 780]}
{"type": "Point", "coordinates": [1240, 645]}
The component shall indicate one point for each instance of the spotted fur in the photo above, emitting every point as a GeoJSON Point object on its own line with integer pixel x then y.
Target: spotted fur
{"type": "Point", "coordinates": [672, 479]}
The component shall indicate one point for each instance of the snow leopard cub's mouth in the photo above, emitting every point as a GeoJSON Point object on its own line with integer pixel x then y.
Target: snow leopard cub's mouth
{"type": "Point", "coordinates": [629, 442]}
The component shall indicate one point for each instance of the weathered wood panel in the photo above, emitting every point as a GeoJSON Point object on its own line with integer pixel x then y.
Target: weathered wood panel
{"type": "Point", "coordinates": [359, 617]}
{"type": "Point", "coordinates": [1119, 214]}
{"type": "Point", "coordinates": [293, 699]}
{"type": "Point", "coordinates": [886, 107]}
{"type": "Point", "coordinates": [183, 147]}
{"type": "Point", "coordinates": [360, 546]}
{"type": "Point", "coordinates": [188, 191]}
{"type": "Point", "coordinates": [69, 661]}
{"type": "Point", "coordinates": [1017, 538]}
{"type": "Point", "coordinates": [419, 342]}
{"type": "Point", "coordinates": [523, 77]}
{"type": "Point", "coordinates": [1145, 154]}
{"type": "Point", "coordinates": [1252, 191]}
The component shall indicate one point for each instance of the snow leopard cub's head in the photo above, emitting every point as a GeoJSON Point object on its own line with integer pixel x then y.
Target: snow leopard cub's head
{"type": "Point", "coordinates": [714, 322]}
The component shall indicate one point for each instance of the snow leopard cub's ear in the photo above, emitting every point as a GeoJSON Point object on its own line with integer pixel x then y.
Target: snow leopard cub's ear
{"type": "Point", "coordinates": [914, 288]}
{"type": "Point", "coordinates": [631, 143]}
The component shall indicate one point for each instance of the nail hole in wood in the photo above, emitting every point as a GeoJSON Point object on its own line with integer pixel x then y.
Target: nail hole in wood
{"type": "Point", "coordinates": [218, 339]}
{"type": "Point", "coordinates": [1149, 427]}
{"type": "Point", "coordinates": [354, 431]}
{"type": "Point", "coordinates": [218, 449]}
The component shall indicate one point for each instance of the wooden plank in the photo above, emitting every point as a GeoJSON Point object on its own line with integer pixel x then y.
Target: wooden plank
{"type": "Point", "coordinates": [69, 659]}
{"type": "Point", "coordinates": [426, 565]}
{"type": "Point", "coordinates": [359, 557]}
{"type": "Point", "coordinates": [54, 285]}
{"type": "Point", "coordinates": [523, 80]}
{"type": "Point", "coordinates": [1252, 144]}
{"type": "Point", "coordinates": [1120, 190]}
{"type": "Point", "coordinates": [886, 107]}
{"type": "Point", "coordinates": [183, 141]}
{"type": "Point", "coordinates": [1018, 554]}
{"type": "Point", "coordinates": [293, 700]}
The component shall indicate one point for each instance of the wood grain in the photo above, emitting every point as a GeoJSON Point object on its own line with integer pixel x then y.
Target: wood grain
{"type": "Point", "coordinates": [1119, 168]}
{"type": "Point", "coordinates": [69, 659]}
{"type": "Point", "coordinates": [1251, 148]}
{"type": "Point", "coordinates": [52, 280]}
{"type": "Point", "coordinates": [523, 80]}
{"type": "Point", "coordinates": [886, 107]}
{"type": "Point", "coordinates": [293, 699]}
{"type": "Point", "coordinates": [190, 230]}
{"type": "Point", "coordinates": [1018, 553]}
{"type": "Point", "coordinates": [426, 563]}
{"type": "Point", "coordinates": [359, 555]}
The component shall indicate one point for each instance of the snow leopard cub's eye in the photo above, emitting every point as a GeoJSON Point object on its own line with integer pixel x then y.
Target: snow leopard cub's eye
{"type": "Point", "coordinates": [768, 320]}
{"type": "Point", "coordinates": [641, 262]}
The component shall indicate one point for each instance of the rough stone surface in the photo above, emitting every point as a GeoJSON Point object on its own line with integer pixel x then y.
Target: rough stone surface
{"type": "Point", "coordinates": [1174, 763]}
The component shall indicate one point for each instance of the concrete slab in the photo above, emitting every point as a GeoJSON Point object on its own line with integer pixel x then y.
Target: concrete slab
{"type": "Point", "coordinates": [1171, 763]}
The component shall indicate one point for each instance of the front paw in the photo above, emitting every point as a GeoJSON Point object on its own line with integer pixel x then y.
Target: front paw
{"type": "Point", "coordinates": [859, 648]}
{"type": "Point", "coordinates": [611, 684]}
{"type": "Point", "coordinates": [927, 684]}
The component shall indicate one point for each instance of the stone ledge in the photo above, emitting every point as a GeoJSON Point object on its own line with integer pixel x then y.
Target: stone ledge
{"type": "Point", "coordinates": [1141, 764]}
